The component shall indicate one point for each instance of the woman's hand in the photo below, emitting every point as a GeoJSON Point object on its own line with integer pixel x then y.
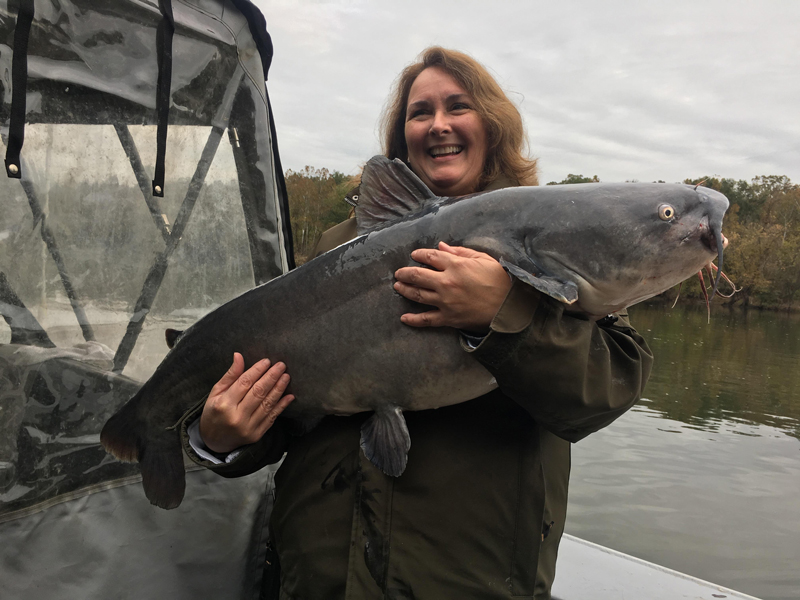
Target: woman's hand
{"type": "Point", "coordinates": [242, 406]}
{"type": "Point", "coordinates": [467, 288]}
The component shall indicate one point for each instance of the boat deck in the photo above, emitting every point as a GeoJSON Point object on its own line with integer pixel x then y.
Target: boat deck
{"type": "Point", "coordinates": [588, 570]}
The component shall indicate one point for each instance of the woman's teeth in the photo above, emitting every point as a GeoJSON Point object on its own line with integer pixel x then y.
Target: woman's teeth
{"type": "Point", "coordinates": [444, 150]}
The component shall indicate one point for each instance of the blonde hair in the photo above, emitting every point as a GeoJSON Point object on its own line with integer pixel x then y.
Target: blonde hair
{"type": "Point", "coordinates": [504, 131]}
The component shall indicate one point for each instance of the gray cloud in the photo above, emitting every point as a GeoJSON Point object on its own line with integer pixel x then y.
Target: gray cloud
{"type": "Point", "coordinates": [623, 90]}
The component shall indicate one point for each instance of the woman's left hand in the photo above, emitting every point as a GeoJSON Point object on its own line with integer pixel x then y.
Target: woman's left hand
{"type": "Point", "coordinates": [467, 288]}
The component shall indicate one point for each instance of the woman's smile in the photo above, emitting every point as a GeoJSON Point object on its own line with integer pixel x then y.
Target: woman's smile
{"type": "Point", "coordinates": [443, 151]}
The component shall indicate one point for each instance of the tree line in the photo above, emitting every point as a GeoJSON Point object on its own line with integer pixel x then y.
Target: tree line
{"type": "Point", "coordinates": [762, 224]}
{"type": "Point", "coordinates": [316, 203]}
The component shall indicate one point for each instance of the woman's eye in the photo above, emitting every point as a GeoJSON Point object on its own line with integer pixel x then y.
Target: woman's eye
{"type": "Point", "coordinates": [419, 112]}
{"type": "Point", "coordinates": [460, 106]}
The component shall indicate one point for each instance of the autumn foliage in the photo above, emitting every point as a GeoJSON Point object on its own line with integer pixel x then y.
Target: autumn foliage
{"type": "Point", "coordinates": [763, 226]}
{"type": "Point", "coordinates": [316, 203]}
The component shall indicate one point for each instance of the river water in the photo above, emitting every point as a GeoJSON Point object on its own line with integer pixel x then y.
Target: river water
{"type": "Point", "coordinates": [703, 475]}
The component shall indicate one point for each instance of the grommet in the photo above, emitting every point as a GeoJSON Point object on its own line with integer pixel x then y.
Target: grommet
{"type": "Point", "coordinates": [13, 169]}
{"type": "Point", "coordinates": [157, 189]}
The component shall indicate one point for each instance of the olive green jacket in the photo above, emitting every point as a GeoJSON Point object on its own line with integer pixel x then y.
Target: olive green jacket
{"type": "Point", "coordinates": [480, 509]}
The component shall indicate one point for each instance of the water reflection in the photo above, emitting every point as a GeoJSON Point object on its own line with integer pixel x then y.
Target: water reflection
{"type": "Point", "coordinates": [702, 475]}
{"type": "Point", "coordinates": [739, 368]}
{"type": "Point", "coordinates": [716, 503]}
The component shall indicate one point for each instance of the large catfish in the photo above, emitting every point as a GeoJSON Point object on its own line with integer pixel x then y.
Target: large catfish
{"type": "Point", "coordinates": [335, 321]}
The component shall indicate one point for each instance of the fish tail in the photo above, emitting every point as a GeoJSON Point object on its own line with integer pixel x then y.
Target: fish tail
{"type": "Point", "coordinates": [163, 475]}
{"type": "Point", "coordinates": [160, 460]}
{"type": "Point", "coordinates": [119, 438]}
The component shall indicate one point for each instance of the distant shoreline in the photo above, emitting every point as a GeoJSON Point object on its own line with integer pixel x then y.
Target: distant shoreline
{"type": "Point", "coordinates": [727, 303]}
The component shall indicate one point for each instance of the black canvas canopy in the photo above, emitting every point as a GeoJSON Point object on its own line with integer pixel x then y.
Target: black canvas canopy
{"type": "Point", "coordinates": [143, 188]}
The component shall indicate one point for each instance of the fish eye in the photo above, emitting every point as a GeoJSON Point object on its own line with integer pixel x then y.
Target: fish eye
{"type": "Point", "coordinates": [666, 212]}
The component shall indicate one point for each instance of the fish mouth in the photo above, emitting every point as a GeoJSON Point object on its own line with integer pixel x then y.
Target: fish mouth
{"type": "Point", "coordinates": [715, 206]}
{"type": "Point", "coordinates": [447, 150]}
{"type": "Point", "coordinates": [707, 236]}
{"type": "Point", "coordinates": [713, 240]}
{"type": "Point", "coordinates": [709, 233]}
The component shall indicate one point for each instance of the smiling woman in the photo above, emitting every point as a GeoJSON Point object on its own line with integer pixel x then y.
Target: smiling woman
{"type": "Point", "coordinates": [478, 509]}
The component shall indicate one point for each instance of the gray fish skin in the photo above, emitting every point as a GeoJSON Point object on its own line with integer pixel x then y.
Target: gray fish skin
{"type": "Point", "coordinates": [335, 321]}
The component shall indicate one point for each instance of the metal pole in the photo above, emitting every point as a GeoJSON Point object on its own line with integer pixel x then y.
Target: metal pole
{"type": "Point", "coordinates": [129, 145]}
{"type": "Point", "coordinates": [52, 247]}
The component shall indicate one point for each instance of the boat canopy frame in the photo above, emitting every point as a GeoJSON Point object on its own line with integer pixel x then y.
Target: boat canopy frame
{"type": "Point", "coordinates": [95, 262]}
{"type": "Point", "coordinates": [67, 100]}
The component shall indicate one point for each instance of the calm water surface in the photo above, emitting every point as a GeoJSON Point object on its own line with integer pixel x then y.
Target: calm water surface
{"type": "Point", "coordinates": [703, 475]}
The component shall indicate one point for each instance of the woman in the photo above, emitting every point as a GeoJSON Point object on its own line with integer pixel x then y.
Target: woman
{"type": "Point", "coordinates": [480, 508]}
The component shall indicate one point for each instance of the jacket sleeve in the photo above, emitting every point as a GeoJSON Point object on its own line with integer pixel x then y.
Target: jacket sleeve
{"type": "Point", "coordinates": [573, 375]}
{"type": "Point", "coordinates": [248, 459]}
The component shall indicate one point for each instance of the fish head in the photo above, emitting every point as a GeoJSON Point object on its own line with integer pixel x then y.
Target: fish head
{"type": "Point", "coordinates": [636, 241]}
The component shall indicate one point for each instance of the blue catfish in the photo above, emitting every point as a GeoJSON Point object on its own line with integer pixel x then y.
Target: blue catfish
{"type": "Point", "coordinates": [335, 321]}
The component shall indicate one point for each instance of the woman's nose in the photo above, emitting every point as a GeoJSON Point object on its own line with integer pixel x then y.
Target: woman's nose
{"type": "Point", "coordinates": [440, 124]}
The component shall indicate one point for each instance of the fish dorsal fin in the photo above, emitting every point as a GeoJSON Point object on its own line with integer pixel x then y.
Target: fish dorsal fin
{"type": "Point", "coordinates": [172, 336]}
{"type": "Point", "coordinates": [389, 191]}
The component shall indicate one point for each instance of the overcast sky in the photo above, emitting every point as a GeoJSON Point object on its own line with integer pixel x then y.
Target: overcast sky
{"type": "Point", "coordinates": [618, 89]}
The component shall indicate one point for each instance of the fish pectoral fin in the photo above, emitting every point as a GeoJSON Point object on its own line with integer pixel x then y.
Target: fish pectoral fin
{"type": "Point", "coordinates": [385, 440]}
{"type": "Point", "coordinates": [563, 291]}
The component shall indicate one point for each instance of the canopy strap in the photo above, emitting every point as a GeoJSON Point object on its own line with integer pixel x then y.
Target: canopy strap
{"type": "Point", "coordinates": [19, 82]}
{"type": "Point", "coordinates": [166, 29]}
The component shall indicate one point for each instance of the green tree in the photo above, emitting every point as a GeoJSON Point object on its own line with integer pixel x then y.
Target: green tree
{"type": "Point", "coordinates": [315, 204]}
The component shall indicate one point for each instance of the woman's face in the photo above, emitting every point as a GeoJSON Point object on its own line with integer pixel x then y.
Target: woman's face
{"type": "Point", "coordinates": [446, 138]}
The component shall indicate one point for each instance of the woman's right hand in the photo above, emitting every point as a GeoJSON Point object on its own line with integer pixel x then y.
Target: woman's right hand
{"type": "Point", "coordinates": [242, 406]}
